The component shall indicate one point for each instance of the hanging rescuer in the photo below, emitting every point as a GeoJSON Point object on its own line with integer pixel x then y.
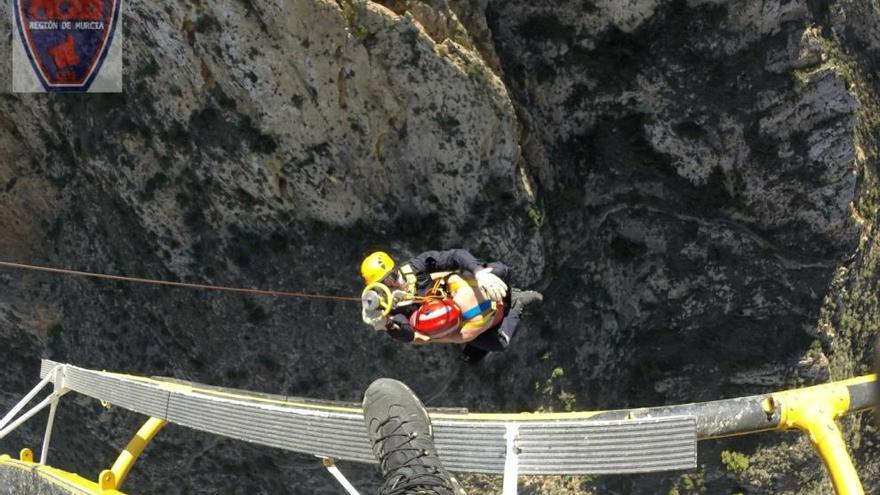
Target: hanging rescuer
{"type": "Point", "coordinates": [443, 297]}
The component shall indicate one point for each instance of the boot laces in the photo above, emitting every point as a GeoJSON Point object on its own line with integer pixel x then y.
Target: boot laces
{"type": "Point", "coordinates": [412, 475]}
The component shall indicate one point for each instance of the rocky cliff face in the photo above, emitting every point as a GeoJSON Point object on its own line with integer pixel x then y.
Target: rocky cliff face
{"type": "Point", "coordinates": [693, 185]}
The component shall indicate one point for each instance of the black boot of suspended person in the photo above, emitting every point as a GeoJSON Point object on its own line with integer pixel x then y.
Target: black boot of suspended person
{"type": "Point", "coordinates": [472, 355]}
{"type": "Point", "coordinates": [498, 338]}
{"type": "Point", "coordinates": [519, 300]}
{"type": "Point", "coordinates": [522, 298]}
{"type": "Point", "coordinates": [403, 441]}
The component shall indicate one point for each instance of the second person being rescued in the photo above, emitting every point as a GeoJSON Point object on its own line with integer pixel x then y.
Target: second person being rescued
{"type": "Point", "coordinates": [446, 297]}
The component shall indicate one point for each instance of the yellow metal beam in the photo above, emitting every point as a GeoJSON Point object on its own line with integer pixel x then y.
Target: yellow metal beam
{"type": "Point", "coordinates": [814, 410]}
{"type": "Point", "coordinates": [26, 455]}
{"type": "Point", "coordinates": [112, 479]}
{"type": "Point", "coordinates": [66, 482]}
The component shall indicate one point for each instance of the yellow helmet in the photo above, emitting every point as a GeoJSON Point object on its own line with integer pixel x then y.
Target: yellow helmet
{"type": "Point", "coordinates": [376, 266]}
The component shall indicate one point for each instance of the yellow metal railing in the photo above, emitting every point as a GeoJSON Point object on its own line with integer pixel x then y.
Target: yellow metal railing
{"type": "Point", "coordinates": [34, 476]}
{"type": "Point", "coordinates": [814, 411]}
{"type": "Point", "coordinates": [112, 479]}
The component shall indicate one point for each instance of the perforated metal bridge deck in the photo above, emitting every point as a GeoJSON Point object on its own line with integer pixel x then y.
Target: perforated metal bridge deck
{"type": "Point", "coordinates": [563, 443]}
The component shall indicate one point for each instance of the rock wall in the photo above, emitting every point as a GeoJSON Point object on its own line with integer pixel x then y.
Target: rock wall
{"type": "Point", "coordinates": [718, 162]}
{"type": "Point", "coordinates": [693, 185]}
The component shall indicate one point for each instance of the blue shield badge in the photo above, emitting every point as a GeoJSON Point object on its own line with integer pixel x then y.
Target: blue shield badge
{"type": "Point", "coordinates": [66, 41]}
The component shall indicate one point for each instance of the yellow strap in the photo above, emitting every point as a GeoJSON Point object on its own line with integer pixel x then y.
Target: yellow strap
{"type": "Point", "coordinates": [477, 321]}
{"type": "Point", "coordinates": [409, 277]}
{"type": "Point", "coordinates": [481, 320]}
{"type": "Point", "coordinates": [457, 284]}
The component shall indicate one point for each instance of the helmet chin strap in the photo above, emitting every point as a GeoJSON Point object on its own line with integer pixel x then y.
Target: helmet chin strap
{"type": "Point", "coordinates": [394, 280]}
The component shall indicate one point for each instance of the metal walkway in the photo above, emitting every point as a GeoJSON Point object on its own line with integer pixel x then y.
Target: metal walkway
{"type": "Point", "coordinates": [27, 478]}
{"type": "Point", "coordinates": [600, 442]}
{"type": "Point", "coordinates": [568, 443]}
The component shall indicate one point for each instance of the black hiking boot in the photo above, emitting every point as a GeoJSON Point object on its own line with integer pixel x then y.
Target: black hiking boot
{"type": "Point", "coordinates": [403, 441]}
{"type": "Point", "coordinates": [471, 355]}
{"type": "Point", "coordinates": [522, 298]}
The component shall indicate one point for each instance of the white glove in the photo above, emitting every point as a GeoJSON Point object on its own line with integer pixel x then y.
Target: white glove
{"type": "Point", "coordinates": [398, 297]}
{"type": "Point", "coordinates": [374, 318]}
{"type": "Point", "coordinates": [494, 288]}
{"type": "Point", "coordinates": [371, 313]}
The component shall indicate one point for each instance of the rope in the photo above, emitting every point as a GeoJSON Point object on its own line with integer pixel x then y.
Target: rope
{"type": "Point", "coordinates": [120, 278]}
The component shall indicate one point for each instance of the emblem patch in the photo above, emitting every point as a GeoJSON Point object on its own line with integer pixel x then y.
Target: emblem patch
{"type": "Point", "coordinates": [66, 41]}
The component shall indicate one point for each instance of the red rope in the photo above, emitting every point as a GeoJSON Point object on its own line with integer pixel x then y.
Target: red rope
{"type": "Point", "coordinates": [262, 292]}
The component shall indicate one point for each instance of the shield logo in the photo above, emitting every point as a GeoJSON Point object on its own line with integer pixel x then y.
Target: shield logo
{"type": "Point", "coordinates": [66, 41]}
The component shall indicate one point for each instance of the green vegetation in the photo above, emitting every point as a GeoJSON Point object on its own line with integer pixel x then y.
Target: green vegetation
{"type": "Point", "coordinates": [548, 389]}
{"type": "Point", "coordinates": [536, 217]}
{"type": "Point", "coordinates": [361, 32]}
{"type": "Point", "coordinates": [475, 68]}
{"type": "Point", "coordinates": [735, 462]}
{"type": "Point", "coordinates": [689, 484]}
{"type": "Point", "coordinates": [850, 314]}
{"type": "Point", "coordinates": [567, 400]}
{"type": "Point", "coordinates": [352, 18]}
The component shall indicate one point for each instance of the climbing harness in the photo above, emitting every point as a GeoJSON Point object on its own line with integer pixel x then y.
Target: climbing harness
{"type": "Point", "coordinates": [380, 295]}
{"type": "Point", "coordinates": [438, 315]}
